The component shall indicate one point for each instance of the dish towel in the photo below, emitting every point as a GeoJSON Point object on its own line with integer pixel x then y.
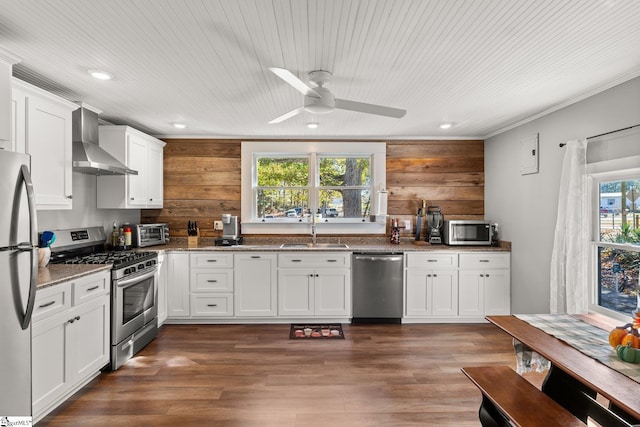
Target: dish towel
{"type": "Point", "coordinates": [528, 360]}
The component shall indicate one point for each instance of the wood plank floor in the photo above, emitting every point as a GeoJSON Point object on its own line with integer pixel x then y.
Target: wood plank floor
{"type": "Point", "coordinates": [253, 375]}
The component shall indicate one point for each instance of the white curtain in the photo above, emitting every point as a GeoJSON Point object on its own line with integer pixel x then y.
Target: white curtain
{"type": "Point", "coordinates": [569, 286]}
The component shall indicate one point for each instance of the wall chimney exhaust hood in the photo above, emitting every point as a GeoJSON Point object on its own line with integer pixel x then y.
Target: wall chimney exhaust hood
{"type": "Point", "coordinates": [88, 156]}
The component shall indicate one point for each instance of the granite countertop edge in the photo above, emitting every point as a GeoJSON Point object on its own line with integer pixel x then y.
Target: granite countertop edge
{"type": "Point", "coordinates": [54, 274]}
{"type": "Point", "coordinates": [180, 245]}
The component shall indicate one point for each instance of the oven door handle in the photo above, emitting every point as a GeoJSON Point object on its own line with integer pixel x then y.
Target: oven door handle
{"type": "Point", "coordinates": [132, 281]}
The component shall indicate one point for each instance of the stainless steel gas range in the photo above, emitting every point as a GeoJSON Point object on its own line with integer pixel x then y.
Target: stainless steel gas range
{"type": "Point", "coordinates": [134, 295]}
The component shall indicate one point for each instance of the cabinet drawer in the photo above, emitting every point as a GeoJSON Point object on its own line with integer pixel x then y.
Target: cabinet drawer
{"type": "Point", "coordinates": [89, 287]}
{"type": "Point", "coordinates": [52, 300]}
{"type": "Point", "coordinates": [292, 259]}
{"type": "Point", "coordinates": [211, 281]}
{"type": "Point", "coordinates": [212, 260]}
{"type": "Point", "coordinates": [485, 260]}
{"type": "Point", "coordinates": [211, 305]}
{"type": "Point", "coordinates": [432, 260]}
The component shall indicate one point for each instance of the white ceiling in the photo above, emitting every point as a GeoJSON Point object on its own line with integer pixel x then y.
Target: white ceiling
{"type": "Point", "coordinates": [481, 64]}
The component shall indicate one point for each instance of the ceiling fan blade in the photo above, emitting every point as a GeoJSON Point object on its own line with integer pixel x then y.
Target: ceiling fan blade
{"type": "Point", "coordinates": [286, 116]}
{"type": "Point", "coordinates": [362, 107]}
{"type": "Point", "coordinates": [290, 78]}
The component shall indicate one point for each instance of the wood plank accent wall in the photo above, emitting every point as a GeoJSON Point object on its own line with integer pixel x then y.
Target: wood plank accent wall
{"type": "Point", "coordinates": [202, 181]}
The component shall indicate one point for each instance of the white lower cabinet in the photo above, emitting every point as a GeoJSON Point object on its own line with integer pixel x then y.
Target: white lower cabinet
{"type": "Point", "coordinates": [485, 284]}
{"type": "Point", "coordinates": [431, 286]}
{"type": "Point", "coordinates": [70, 339]}
{"type": "Point", "coordinates": [211, 284]}
{"type": "Point", "coordinates": [178, 305]}
{"type": "Point", "coordinates": [311, 290]}
{"type": "Point", "coordinates": [255, 285]}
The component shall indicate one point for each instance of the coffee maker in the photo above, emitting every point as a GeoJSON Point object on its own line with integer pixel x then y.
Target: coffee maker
{"type": "Point", "coordinates": [435, 221]}
{"type": "Point", "coordinates": [230, 233]}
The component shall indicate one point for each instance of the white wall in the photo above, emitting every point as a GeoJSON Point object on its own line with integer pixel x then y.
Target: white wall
{"type": "Point", "coordinates": [525, 205]}
{"type": "Point", "coordinates": [84, 212]}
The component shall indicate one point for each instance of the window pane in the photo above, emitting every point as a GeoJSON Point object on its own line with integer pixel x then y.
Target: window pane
{"type": "Point", "coordinates": [283, 203]}
{"type": "Point", "coordinates": [345, 171]}
{"type": "Point", "coordinates": [619, 221]}
{"type": "Point", "coordinates": [344, 203]}
{"type": "Point", "coordinates": [282, 172]}
{"type": "Point", "coordinates": [618, 279]}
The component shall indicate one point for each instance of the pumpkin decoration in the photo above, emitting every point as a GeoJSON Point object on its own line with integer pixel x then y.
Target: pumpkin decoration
{"type": "Point", "coordinates": [618, 334]}
{"type": "Point", "coordinates": [632, 339]}
{"type": "Point", "coordinates": [627, 353]}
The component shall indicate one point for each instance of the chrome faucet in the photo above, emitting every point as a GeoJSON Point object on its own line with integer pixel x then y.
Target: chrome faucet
{"type": "Point", "coordinates": [313, 232]}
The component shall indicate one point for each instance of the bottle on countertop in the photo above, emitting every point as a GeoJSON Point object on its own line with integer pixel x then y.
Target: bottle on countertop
{"type": "Point", "coordinates": [395, 232]}
{"type": "Point", "coordinates": [115, 235]}
{"type": "Point", "coordinates": [127, 237]}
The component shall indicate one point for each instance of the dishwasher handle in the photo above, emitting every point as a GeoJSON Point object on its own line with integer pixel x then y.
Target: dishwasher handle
{"type": "Point", "coordinates": [378, 258]}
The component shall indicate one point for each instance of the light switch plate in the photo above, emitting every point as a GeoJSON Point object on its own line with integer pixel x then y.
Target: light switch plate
{"type": "Point", "coordinates": [217, 225]}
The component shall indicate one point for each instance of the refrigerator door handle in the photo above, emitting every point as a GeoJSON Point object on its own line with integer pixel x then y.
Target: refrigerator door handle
{"type": "Point", "coordinates": [33, 231]}
{"type": "Point", "coordinates": [33, 226]}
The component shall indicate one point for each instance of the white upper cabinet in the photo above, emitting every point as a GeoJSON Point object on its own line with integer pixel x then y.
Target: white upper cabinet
{"type": "Point", "coordinates": [139, 152]}
{"type": "Point", "coordinates": [41, 127]}
{"type": "Point", "coordinates": [6, 62]}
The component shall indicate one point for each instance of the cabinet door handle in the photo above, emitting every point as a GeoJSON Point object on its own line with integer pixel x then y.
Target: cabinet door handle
{"type": "Point", "coordinates": [212, 305]}
{"type": "Point", "coordinates": [317, 275]}
{"type": "Point", "coordinates": [296, 260]}
{"type": "Point", "coordinates": [311, 275]}
{"type": "Point", "coordinates": [428, 275]}
{"type": "Point", "coordinates": [93, 288]}
{"type": "Point", "coordinates": [133, 198]}
{"type": "Point", "coordinates": [332, 260]}
{"type": "Point", "coordinates": [432, 260]}
{"type": "Point", "coordinates": [255, 256]}
{"type": "Point", "coordinates": [435, 275]}
{"type": "Point", "coordinates": [212, 281]}
{"type": "Point", "coordinates": [73, 319]}
{"type": "Point", "coordinates": [482, 275]}
{"type": "Point", "coordinates": [486, 275]}
{"type": "Point", "coordinates": [484, 260]}
{"type": "Point", "coordinates": [212, 260]}
{"type": "Point", "coordinates": [151, 200]}
{"type": "Point", "coordinates": [47, 304]}
{"type": "Point", "coordinates": [69, 197]}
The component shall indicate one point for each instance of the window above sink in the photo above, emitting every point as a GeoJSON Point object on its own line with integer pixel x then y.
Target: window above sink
{"type": "Point", "coordinates": [291, 187]}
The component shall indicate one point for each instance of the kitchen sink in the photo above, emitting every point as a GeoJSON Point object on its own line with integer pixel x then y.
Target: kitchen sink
{"type": "Point", "coordinates": [314, 245]}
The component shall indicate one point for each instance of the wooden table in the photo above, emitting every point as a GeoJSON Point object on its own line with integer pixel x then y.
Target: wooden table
{"type": "Point", "coordinates": [575, 379]}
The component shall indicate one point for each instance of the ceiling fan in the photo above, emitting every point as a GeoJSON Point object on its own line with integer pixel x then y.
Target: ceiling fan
{"type": "Point", "coordinates": [320, 100]}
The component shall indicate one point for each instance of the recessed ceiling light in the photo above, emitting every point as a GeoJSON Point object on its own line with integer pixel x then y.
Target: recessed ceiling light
{"type": "Point", "coordinates": [312, 125]}
{"type": "Point", "coordinates": [101, 75]}
{"type": "Point", "coordinates": [446, 125]}
{"type": "Point", "coordinates": [179, 125]}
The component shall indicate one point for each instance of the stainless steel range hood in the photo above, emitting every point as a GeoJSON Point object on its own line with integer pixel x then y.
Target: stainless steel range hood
{"type": "Point", "coordinates": [88, 156]}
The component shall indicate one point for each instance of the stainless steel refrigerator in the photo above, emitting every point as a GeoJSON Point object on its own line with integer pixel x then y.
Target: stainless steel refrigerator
{"type": "Point", "coordinates": [18, 281]}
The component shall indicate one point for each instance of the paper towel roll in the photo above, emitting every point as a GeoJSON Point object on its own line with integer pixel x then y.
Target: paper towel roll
{"type": "Point", "coordinates": [382, 203]}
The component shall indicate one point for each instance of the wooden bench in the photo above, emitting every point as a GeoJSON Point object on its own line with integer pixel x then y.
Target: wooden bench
{"type": "Point", "coordinates": [508, 399]}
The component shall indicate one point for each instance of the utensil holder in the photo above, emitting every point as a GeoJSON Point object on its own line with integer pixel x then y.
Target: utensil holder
{"type": "Point", "coordinates": [192, 241]}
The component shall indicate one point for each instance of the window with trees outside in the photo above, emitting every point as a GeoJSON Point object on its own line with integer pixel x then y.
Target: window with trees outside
{"type": "Point", "coordinates": [287, 186]}
{"type": "Point", "coordinates": [617, 242]}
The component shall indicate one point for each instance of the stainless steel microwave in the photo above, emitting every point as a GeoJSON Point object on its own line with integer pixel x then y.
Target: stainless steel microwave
{"type": "Point", "coordinates": [150, 235]}
{"type": "Point", "coordinates": [467, 233]}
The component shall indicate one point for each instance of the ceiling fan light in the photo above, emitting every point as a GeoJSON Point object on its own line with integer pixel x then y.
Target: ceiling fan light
{"type": "Point", "coordinates": [100, 74]}
{"type": "Point", "coordinates": [179, 125]}
{"type": "Point", "coordinates": [446, 125]}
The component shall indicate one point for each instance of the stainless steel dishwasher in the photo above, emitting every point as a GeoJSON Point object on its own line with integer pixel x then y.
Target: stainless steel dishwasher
{"type": "Point", "coordinates": [377, 280]}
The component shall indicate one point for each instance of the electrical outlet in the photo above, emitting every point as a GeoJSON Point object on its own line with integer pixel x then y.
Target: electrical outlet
{"type": "Point", "coordinates": [217, 225]}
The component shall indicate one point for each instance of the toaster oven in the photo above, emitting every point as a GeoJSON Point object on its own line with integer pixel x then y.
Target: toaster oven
{"type": "Point", "coordinates": [149, 235]}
